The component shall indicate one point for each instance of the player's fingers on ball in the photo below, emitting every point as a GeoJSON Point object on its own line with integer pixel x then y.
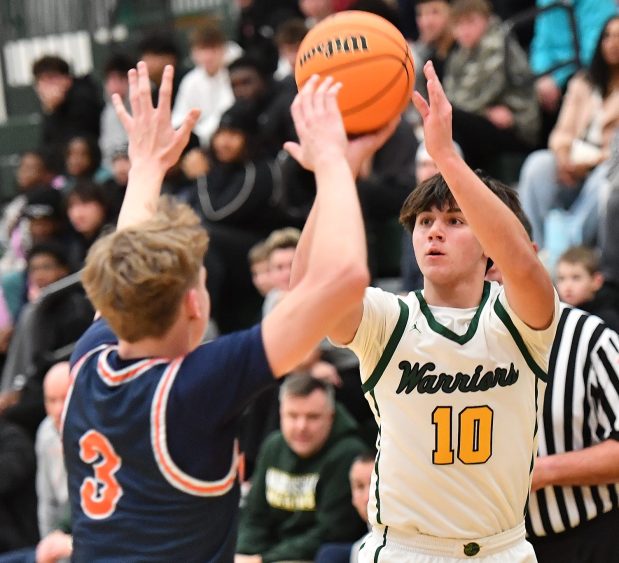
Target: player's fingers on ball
{"type": "Point", "coordinates": [146, 101]}
{"type": "Point", "coordinates": [296, 110]}
{"type": "Point", "coordinates": [307, 96]}
{"type": "Point", "coordinates": [321, 93]}
{"type": "Point", "coordinates": [332, 93]}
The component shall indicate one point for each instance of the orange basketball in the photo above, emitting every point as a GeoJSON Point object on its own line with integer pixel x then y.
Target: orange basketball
{"type": "Point", "coordinates": [371, 59]}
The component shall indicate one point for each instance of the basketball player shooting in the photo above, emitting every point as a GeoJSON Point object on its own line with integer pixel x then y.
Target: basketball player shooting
{"type": "Point", "coordinates": [152, 416]}
{"type": "Point", "coordinates": [455, 373]}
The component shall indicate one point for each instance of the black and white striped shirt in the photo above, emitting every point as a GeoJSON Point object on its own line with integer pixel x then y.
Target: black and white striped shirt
{"type": "Point", "coordinates": [581, 409]}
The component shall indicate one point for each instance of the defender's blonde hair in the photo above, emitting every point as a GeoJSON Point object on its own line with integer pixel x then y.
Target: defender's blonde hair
{"type": "Point", "coordinates": [136, 277]}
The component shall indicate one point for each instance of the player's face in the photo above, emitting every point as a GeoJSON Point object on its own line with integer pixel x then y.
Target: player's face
{"type": "Point", "coordinates": [575, 284]}
{"type": "Point", "coordinates": [469, 29]}
{"type": "Point", "coordinates": [360, 477]}
{"type": "Point", "coordinates": [432, 20]}
{"type": "Point", "coordinates": [306, 422]}
{"type": "Point", "coordinates": [446, 248]}
{"type": "Point", "coordinates": [280, 264]}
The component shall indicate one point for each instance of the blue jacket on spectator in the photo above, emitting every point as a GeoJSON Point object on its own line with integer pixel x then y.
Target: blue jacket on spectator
{"type": "Point", "coordinates": [552, 41]}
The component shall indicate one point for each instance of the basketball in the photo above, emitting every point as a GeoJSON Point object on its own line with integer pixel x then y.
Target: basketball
{"type": "Point", "coordinates": [371, 59]}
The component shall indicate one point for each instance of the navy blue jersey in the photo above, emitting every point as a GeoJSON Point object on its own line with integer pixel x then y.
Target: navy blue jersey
{"type": "Point", "coordinates": [150, 448]}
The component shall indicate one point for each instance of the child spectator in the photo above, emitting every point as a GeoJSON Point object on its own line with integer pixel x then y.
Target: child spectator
{"type": "Point", "coordinates": [259, 265]}
{"type": "Point", "coordinates": [82, 162]}
{"type": "Point", "coordinates": [207, 86]}
{"type": "Point", "coordinates": [492, 113]}
{"type": "Point", "coordinates": [578, 281]}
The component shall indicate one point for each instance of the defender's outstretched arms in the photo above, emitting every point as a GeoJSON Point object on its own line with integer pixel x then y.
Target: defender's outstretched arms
{"type": "Point", "coordinates": [154, 145]}
{"type": "Point", "coordinates": [528, 286]}
{"type": "Point", "coordinates": [333, 276]}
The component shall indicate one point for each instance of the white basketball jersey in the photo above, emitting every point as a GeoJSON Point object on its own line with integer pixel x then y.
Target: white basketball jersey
{"type": "Point", "coordinates": [456, 408]}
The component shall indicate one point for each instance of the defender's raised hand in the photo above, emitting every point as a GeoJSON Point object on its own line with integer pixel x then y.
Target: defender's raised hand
{"type": "Point", "coordinates": [152, 138]}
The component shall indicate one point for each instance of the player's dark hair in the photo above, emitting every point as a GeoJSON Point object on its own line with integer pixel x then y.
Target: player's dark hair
{"type": "Point", "coordinates": [304, 384]}
{"type": "Point", "coordinates": [50, 64]}
{"type": "Point", "coordinates": [434, 192]}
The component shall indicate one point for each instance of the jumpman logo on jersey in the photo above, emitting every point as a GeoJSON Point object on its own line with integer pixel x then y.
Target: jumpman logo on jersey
{"type": "Point", "coordinates": [414, 327]}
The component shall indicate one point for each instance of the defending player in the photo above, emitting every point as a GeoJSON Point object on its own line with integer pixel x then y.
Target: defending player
{"type": "Point", "coordinates": [150, 425]}
{"type": "Point", "coordinates": [453, 374]}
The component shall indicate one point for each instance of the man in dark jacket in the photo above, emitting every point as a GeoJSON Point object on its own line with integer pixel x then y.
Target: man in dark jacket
{"type": "Point", "coordinates": [300, 495]}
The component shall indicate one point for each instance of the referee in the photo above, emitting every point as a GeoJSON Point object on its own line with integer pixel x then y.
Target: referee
{"type": "Point", "coordinates": [573, 512]}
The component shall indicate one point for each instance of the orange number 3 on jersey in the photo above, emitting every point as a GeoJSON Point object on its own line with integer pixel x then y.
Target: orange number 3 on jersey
{"type": "Point", "coordinates": [99, 495]}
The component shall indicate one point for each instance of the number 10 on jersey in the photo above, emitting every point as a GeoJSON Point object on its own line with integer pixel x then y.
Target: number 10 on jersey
{"type": "Point", "coordinates": [473, 434]}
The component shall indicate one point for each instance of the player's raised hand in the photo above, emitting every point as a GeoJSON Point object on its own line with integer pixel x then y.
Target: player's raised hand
{"type": "Point", "coordinates": [318, 122]}
{"type": "Point", "coordinates": [436, 116]}
{"type": "Point", "coordinates": [152, 139]}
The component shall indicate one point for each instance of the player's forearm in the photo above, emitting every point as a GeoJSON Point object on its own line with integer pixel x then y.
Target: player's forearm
{"type": "Point", "coordinates": [301, 255]}
{"type": "Point", "coordinates": [338, 241]}
{"type": "Point", "coordinates": [503, 238]}
{"type": "Point", "coordinates": [142, 195]}
{"type": "Point", "coordinates": [596, 465]}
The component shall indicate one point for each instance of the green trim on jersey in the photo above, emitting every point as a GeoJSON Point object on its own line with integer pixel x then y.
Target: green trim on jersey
{"type": "Point", "coordinates": [376, 492]}
{"type": "Point", "coordinates": [446, 332]}
{"type": "Point", "coordinates": [504, 316]}
{"type": "Point", "coordinates": [380, 547]}
{"type": "Point", "coordinates": [387, 354]}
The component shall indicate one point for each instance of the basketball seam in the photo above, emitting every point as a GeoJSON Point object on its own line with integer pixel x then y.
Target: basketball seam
{"type": "Point", "coordinates": [379, 94]}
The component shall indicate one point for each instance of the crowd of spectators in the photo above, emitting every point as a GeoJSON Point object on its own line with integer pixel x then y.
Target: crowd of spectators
{"type": "Point", "coordinates": [526, 97]}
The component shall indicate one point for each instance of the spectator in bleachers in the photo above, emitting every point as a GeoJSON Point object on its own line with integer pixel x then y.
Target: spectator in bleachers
{"type": "Point", "coordinates": [553, 44]}
{"type": "Point", "coordinates": [117, 185]}
{"type": "Point", "coordinates": [115, 81]}
{"type": "Point", "coordinates": [236, 197]}
{"type": "Point", "coordinates": [257, 24]}
{"type": "Point", "coordinates": [571, 172]}
{"type": "Point", "coordinates": [42, 218]}
{"type": "Point", "coordinates": [88, 210]}
{"type": "Point", "coordinates": [610, 229]}
{"type": "Point", "coordinates": [288, 39]}
{"type": "Point", "coordinates": [254, 86]}
{"type": "Point", "coordinates": [579, 280]}
{"type": "Point", "coordinates": [158, 49]}
{"type": "Point", "coordinates": [18, 520]}
{"type": "Point", "coordinates": [258, 258]}
{"type": "Point", "coordinates": [492, 113]}
{"type": "Point", "coordinates": [300, 495]}
{"type": "Point", "coordinates": [51, 479]}
{"type": "Point", "coordinates": [316, 10]}
{"type": "Point", "coordinates": [82, 162]}
{"type": "Point", "coordinates": [32, 172]}
{"type": "Point", "coordinates": [70, 105]}
{"type": "Point", "coordinates": [436, 40]}
{"type": "Point", "coordinates": [207, 86]}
